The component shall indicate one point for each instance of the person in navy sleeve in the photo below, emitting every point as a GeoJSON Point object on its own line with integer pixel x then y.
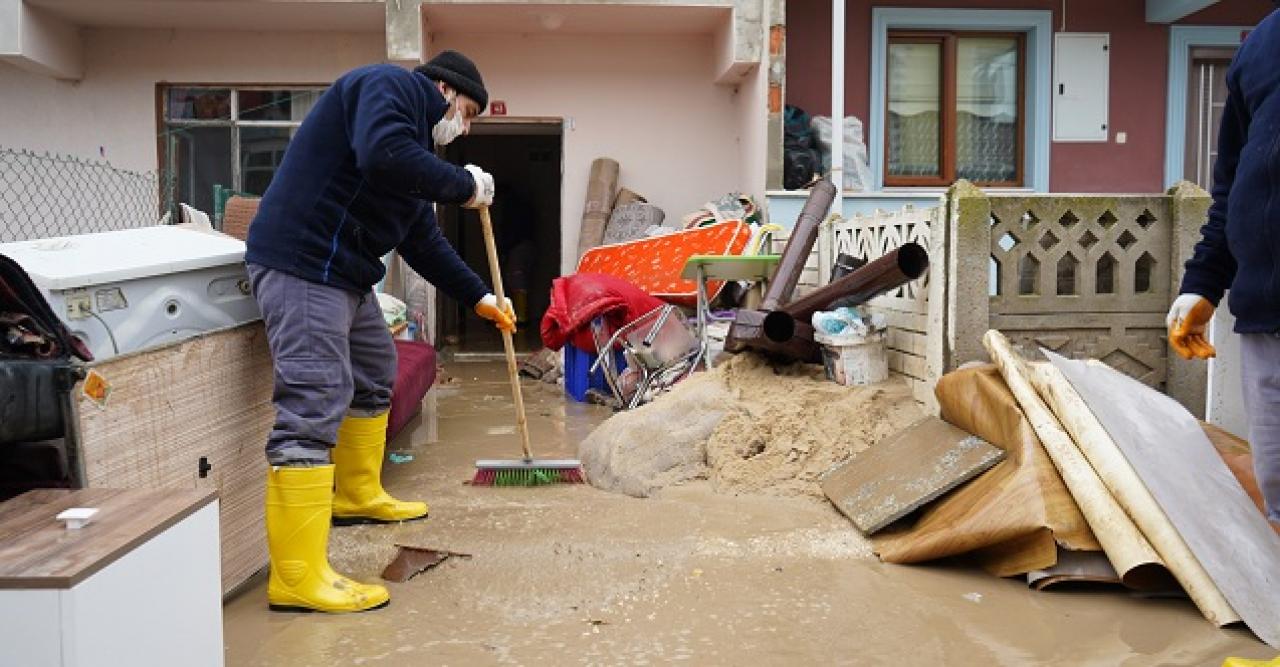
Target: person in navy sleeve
{"type": "Point", "coordinates": [1239, 248]}
{"type": "Point", "coordinates": [358, 180]}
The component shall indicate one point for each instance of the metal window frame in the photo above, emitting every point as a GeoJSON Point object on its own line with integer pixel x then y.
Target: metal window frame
{"type": "Point", "coordinates": [168, 125]}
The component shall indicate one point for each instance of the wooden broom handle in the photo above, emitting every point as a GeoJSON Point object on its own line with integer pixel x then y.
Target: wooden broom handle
{"type": "Point", "coordinates": [508, 345]}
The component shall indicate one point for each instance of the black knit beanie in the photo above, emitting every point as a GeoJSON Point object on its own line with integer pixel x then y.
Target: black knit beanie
{"type": "Point", "coordinates": [459, 72]}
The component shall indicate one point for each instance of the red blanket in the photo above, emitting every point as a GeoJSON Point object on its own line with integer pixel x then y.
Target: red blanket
{"type": "Point", "coordinates": [582, 297]}
{"type": "Point", "coordinates": [415, 371]}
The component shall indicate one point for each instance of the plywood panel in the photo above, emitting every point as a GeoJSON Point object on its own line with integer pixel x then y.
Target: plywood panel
{"type": "Point", "coordinates": [206, 397]}
{"type": "Point", "coordinates": [1010, 516]}
{"type": "Point", "coordinates": [898, 476]}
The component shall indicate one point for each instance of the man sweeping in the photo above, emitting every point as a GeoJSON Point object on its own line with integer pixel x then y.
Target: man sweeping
{"type": "Point", "coordinates": [1240, 248]}
{"type": "Point", "coordinates": [358, 180]}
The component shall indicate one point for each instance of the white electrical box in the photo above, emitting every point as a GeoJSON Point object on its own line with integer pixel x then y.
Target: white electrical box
{"type": "Point", "coordinates": [1081, 71]}
{"type": "Point", "coordinates": [133, 289]}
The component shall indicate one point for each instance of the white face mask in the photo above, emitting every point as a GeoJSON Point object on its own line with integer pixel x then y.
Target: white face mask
{"type": "Point", "coordinates": [448, 128]}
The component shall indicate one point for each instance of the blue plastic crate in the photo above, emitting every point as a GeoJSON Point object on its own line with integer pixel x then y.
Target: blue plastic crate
{"type": "Point", "coordinates": [577, 376]}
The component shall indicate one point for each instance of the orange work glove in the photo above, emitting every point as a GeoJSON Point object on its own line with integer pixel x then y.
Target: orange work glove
{"type": "Point", "coordinates": [503, 318]}
{"type": "Point", "coordinates": [1187, 319]}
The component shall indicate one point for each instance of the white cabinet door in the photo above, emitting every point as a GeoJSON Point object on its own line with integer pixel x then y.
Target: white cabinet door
{"type": "Point", "coordinates": [1080, 86]}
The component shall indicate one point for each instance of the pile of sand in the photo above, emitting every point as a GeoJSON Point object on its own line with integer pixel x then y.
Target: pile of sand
{"type": "Point", "coordinates": [749, 427]}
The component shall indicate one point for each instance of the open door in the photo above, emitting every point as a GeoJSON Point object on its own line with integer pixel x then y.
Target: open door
{"type": "Point", "coordinates": [525, 157]}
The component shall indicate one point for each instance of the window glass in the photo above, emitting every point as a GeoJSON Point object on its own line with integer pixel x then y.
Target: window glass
{"type": "Point", "coordinates": [987, 109]}
{"type": "Point", "coordinates": [198, 158]}
{"type": "Point", "coordinates": [276, 105]}
{"type": "Point", "coordinates": [915, 105]}
{"type": "Point", "coordinates": [199, 104]}
{"type": "Point", "coordinates": [261, 151]}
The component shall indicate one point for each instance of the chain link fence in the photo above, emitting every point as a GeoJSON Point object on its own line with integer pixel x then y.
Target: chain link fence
{"type": "Point", "coordinates": [44, 195]}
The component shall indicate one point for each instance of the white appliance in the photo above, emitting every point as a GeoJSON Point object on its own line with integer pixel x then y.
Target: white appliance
{"type": "Point", "coordinates": [134, 289]}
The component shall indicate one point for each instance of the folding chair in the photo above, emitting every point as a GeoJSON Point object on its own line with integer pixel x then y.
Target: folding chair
{"type": "Point", "coordinates": [658, 346]}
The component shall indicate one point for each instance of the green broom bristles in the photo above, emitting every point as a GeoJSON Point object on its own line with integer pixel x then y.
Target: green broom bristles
{"type": "Point", "coordinates": [526, 473]}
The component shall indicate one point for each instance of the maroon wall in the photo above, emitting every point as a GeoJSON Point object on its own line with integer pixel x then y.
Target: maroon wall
{"type": "Point", "coordinates": [1138, 77]}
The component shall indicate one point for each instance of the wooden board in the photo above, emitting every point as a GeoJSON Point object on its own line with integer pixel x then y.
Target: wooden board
{"type": "Point", "coordinates": [37, 551]}
{"type": "Point", "coordinates": [1175, 460]}
{"type": "Point", "coordinates": [1011, 516]}
{"type": "Point", "coordinates": [206, 397]}
{"type": "Point", "coordinates": [889, 481]}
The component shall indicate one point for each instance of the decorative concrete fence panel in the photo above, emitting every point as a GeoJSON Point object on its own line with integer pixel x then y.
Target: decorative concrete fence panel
{"type": "Point", "coordinates": [1084, 275]}
{"type": "Point", "coordinates": [1088, 276]}
{"type": "Point", "coordinates": [869, 236]}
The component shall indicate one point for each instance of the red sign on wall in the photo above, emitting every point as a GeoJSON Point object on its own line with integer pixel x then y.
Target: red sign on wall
{"type": "Point", "coordinates": [498, 108]}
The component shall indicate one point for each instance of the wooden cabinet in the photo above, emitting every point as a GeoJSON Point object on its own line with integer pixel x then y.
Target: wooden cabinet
{"type": "Point", "coordinates": [139, 585]}
{"type": "Point", "coordinates": [189, 415]}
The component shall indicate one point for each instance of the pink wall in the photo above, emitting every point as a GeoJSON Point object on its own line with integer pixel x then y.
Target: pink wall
{"type": "Point", "coordinates": [648, 101]}
{"type": "Point", "coordinates": [1138, 77]}
{"type": "Point", "coordinates": [111, 113]}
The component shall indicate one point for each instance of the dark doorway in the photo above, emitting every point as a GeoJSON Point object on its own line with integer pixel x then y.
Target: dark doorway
{"type": "Point", "coordinates": [525, 159]}
{"type": "Point", "coordinates": [1206, 97]}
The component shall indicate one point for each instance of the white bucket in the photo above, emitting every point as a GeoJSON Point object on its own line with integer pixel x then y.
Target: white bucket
{"type": "Point", "coordinates": [855, 360]}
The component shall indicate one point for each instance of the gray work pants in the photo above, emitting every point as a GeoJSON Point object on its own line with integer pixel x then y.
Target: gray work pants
{"type": "Point", "coordinates": [1260, 367]}
{"type": "Point", "coordinates": [332, 354]}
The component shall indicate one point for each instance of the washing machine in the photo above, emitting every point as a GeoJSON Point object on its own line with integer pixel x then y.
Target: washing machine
{"type": "Point", "coordinates": [134, 289]}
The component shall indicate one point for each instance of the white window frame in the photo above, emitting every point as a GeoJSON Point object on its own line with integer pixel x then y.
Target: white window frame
{"type": "Point", "coordinates": [1038, 27]}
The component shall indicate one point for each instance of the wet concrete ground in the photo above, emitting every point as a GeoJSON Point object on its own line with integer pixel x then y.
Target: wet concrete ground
{"type": "Point", "coordinates": [572, 575]}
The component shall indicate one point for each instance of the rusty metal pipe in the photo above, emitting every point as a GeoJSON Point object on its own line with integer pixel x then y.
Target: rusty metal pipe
{"type": "Point", "coordinates": [886, 273]}
{"type": "Point", "coordinates": [746, 331]}
{"type": "Point", "coordinates": [799, 245]}
{"type": "Point", "coordinates": [890, 271]}
{"type": "Point", "coordinates": [750, 334]}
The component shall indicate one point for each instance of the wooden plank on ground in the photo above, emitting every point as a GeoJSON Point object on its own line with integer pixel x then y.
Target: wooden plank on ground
{"type": "Point", "coordinates": [1171, 453]}
{"type": "Point", "coordinates": [889, 481]}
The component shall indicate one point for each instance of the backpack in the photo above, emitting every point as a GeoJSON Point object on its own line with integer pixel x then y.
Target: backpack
{"type": "Point", "coordinates": [37, 367]}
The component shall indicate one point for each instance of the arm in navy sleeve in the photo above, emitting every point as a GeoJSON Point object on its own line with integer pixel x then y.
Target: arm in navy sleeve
{"type": "Point", "coordinates": [428, 252]}
{"type": "Point", "coordinates": [382, 123]}
{"type": "Point", "coordinates": [1212, 268]}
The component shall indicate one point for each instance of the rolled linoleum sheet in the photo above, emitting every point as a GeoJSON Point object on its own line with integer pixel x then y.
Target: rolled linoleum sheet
{"type": "Point", "coordinates": [1126, 487]}
{"type": "Point", "coordinates": [602, 187]}
{"type": "Point", "coordinates": [1132, 556]}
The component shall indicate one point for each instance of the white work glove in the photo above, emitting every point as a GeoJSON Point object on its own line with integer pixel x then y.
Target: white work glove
{"type": "Point", "coordinates": [1187, 323]}
{"type": "Point", "coordinates": [484, 187]}
{"type": "Point", "coordinates": [503, 318]}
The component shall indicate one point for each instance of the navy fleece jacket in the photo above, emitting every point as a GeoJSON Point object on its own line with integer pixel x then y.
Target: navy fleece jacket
{"type": "Point", "coordinates": [1240, 246]}
{"type": "Point", "coordinates": [357, 181]}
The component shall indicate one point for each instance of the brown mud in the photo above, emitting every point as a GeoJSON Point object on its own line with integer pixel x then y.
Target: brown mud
{"type": "Point", "coordinates": [574, 575]}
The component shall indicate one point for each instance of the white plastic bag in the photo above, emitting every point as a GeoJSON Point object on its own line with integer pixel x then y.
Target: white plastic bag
{"type": "Point", "coordinates": [857, 168]}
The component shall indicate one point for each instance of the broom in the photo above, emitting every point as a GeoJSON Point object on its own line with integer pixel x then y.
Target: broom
{"type": "Point", "coordinates": [526, 471]}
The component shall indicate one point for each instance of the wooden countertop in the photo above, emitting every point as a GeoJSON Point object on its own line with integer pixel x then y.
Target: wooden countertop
{"type": "Point", "coordinates": [37, 551]}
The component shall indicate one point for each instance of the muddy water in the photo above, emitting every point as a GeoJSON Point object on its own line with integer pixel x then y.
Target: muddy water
{"type": "Point", "coordinates": [571, 575]}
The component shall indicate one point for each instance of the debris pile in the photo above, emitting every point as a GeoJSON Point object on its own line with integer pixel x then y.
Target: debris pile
{"type": "Point", "coordinates": [748, 426]}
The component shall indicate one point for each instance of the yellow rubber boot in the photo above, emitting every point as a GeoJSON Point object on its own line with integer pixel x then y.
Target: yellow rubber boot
{"type": "Point", "coordinates": [299, 509]}
{"type": "Point", "coordinates": [358, 494]}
